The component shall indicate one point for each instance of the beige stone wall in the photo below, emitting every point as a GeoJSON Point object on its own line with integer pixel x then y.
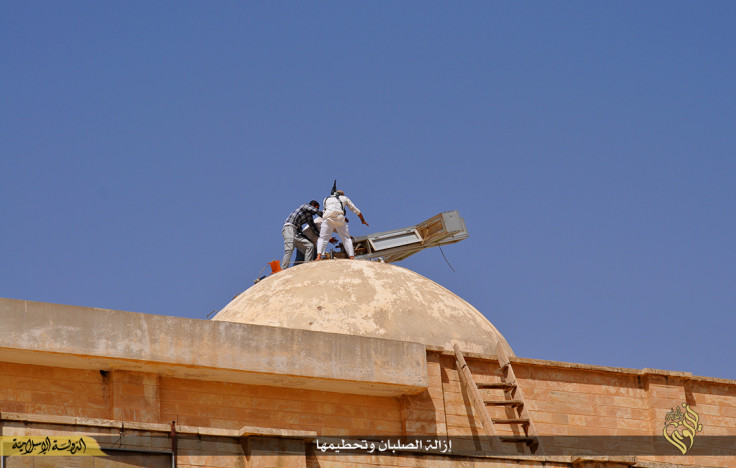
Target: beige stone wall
{"type": "Point", "coordinates": [578, 400]}
{"type": "Point", "coordinates": [575, 400]}
{"type": "Point", "coordinates": [564, 400]}
{"type": "Point", "coordinates": [715, 402]}
{"type": "Point", "coordinates": [424, 413]}
{"type": "Point", "coordinates": [425, 461]}
{"type": "Point", "coordinates": [54, 391]}
{"type": "Point", "coordinates": [231, 406]}
{"type": "Point", "coordinates": [148, 398]}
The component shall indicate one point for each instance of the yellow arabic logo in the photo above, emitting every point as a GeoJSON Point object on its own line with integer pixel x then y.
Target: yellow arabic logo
{"type": "Point", "coordinates": [53, 445]}
{"type": "Point", "coordinates": [679, 426]}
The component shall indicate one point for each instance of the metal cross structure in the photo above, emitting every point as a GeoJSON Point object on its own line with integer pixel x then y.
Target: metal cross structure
{"type": "Point", "coordinates": [393, 246]}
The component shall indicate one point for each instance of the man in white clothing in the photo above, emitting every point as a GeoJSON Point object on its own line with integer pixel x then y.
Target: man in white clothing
{"type": "Point", "coordinates": [333, 220]}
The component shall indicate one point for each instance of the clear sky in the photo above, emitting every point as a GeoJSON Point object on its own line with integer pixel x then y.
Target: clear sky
{"type": "Point", "coordinates": [150, 152]}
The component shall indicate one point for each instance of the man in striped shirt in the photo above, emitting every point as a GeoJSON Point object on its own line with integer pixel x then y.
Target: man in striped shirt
{"type": "Point", "coordinates": [292, 231]}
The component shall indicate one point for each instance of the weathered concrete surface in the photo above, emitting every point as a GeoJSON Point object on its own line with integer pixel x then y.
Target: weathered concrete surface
{"type": "Point", "coordinates": [365, 299]}
{"type": "Point", "coordinates": [88, 338]}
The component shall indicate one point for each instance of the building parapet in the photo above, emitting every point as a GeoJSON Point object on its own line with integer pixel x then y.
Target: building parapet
{"type": "Point", "coordinates": [102, 339]}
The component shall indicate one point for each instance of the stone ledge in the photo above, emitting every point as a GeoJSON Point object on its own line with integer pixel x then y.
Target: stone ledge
{"type": "Point", "coordinates": [101, 339]}
{"type": "Point", "coordinates": [588, 367]}
{"type": "Point", "coordinates": [245, 431]}
{"type": "Point", "coordinates": [583, 460]}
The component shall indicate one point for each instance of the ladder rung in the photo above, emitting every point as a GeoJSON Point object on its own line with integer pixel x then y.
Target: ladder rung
{"type": "Point", "coordinates": [519, 439]}
{"type": "Point", "coordinates": [521, 421]}
{"type": "Point", "coordinates": [503, 402]}
{"type": "Point", "coordinates": [504, 385]}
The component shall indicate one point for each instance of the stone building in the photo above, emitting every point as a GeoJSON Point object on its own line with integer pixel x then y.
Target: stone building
{"type": "Point", "coordinates": [338, 364]}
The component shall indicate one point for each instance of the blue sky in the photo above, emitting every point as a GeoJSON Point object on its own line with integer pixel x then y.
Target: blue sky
{"type": "Point", "coordinates": [152, 150]}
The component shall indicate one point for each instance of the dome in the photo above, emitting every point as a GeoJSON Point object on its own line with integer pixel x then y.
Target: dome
{"type": "Point", "coordinates": [365, 298]}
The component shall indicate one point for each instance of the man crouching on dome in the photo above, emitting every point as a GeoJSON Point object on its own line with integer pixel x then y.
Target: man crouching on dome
{"type": "Point", "coordinates": [333, 220]}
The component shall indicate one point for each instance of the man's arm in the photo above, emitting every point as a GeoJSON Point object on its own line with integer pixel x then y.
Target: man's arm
{"type": "Point", "coordinates": [355, 210]}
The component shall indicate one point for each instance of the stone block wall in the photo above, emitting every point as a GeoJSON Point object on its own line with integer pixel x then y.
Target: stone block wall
{"type": "Point", "coordinates": [32, 389]}
{"type": "Point", "coordinates": [564, 400]}
{"type": "Point", "coordinates": [231, 406]}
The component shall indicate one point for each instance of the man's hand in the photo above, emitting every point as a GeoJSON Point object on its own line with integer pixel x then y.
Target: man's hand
{"type": "Point", "coordinates": [362, 220]}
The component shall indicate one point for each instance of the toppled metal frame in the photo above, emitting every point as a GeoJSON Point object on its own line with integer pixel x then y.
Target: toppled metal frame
{"type": "Point", "coordinates": [393, 246]}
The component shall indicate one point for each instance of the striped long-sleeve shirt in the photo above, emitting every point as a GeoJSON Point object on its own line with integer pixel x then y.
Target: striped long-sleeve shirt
{"type": "Point", "coordinates": [303, 215]}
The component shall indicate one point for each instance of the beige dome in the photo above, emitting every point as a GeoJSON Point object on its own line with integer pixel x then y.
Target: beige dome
{"type": "Point", "coordinates": [364, 298]}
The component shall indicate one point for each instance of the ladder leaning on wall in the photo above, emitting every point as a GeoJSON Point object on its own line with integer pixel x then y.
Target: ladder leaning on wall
{"type": "Point", "coordinates": [513, 401]}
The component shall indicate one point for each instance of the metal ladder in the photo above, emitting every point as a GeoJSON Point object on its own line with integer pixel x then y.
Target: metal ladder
{"type": "Point", "coordinates": [513, 401]}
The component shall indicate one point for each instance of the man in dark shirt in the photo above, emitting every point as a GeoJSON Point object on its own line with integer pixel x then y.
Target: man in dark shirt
{"type": "Point", "coordinates": [292, 231]}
